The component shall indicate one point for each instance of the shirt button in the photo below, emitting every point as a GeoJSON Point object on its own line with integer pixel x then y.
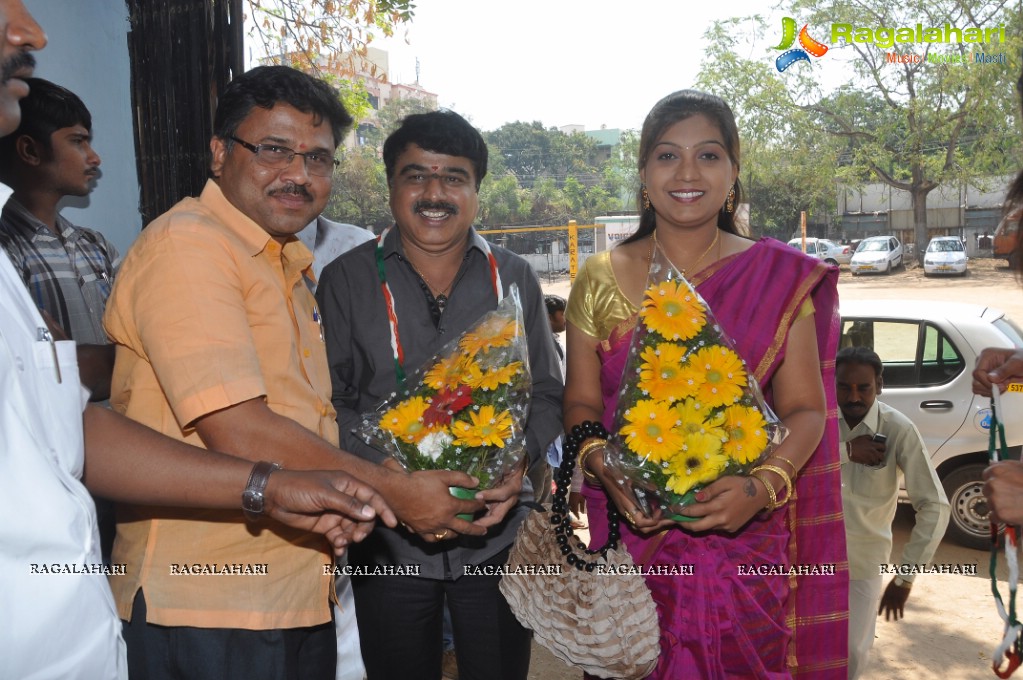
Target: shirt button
{"type": "Point", "coordinates": [306, 353]}
{"type": "Point", "coordinates": [326, 410]}
{"type": "Point", "coordinates": [20, 364]}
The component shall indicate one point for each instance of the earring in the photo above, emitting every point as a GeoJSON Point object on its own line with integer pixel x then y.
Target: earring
{"type": "Point", "coordinates": [730, 201]}
{"type": "Point", "coordinates": [646, 199]}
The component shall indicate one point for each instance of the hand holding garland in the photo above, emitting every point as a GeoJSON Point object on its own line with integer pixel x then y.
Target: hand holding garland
{"type": "Point", "coordinates": [730, 502]}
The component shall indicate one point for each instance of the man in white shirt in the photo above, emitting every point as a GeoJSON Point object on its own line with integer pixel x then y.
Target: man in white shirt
{"type": "Point", "coordinates": [54, 591]}
{"type": "Point", "coordinates": [880, 445]}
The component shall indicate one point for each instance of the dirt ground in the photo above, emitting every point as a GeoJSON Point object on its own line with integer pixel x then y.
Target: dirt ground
{"type": "Point", "coordinates": [951, 625]}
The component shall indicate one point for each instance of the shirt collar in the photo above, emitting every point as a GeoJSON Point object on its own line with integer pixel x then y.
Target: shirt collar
{"type": "Point", "coordinates": [392, 244]}
{"type": "Point", "coordinates": [255, 238]}
{"type": "Point", "coordinates": [871, 421]}
{"type": "Point", "coordinates": [5, 194]}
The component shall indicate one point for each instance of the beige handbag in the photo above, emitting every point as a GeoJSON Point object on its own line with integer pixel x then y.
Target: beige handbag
{"type": "Point", "coordinates": [597, 615]}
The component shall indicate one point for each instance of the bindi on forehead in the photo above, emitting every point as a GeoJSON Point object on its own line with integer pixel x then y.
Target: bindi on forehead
{"type": "Point", "coordinates": [435, 168]}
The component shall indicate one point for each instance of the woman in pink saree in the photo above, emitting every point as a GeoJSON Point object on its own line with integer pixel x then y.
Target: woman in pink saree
{"type": "Point", "coordinates": [767, 594]}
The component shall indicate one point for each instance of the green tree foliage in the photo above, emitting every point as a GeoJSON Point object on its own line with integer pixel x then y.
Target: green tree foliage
{"type": "Point", "coordinates": [531, 152]}
{"type": "Point", "coordinates": [912, 125]}
{"type": "Point", "coordinates": [787, 166]}
{"type": "Point", "coordinates": [360, 190]}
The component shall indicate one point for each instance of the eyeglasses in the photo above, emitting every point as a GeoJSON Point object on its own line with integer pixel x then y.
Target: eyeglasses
{"type": "Point", "coordinates": [279, 157]}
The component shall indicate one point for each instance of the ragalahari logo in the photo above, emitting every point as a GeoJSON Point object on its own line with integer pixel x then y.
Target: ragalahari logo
{"type": "Point", "coordinates": [808, 44]}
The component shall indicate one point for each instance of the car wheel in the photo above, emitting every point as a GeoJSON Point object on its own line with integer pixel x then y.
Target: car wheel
{"type": "Point", "coordinates": [833, 263]}
{"type": "Point", "coordinates": [888, 267]}
{"type": "Point", "coordinates": [969, 524]}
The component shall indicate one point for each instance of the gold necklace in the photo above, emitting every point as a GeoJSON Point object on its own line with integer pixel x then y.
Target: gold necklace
{"type": "Point", "coordinates": [442, 296]}
{"type": "Point", "coordinates": [714, 242]}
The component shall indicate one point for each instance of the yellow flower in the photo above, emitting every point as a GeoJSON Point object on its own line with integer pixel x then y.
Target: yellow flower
{"type": "Point", "coordinates": [476, 378]}
{"type": "Point", "coordinates": [486, 427]}
{"type": "Point", "coordinates": [723, 375]}
{"type": "Point", "coordinates": [746, 430]}
{"type": "Point", "coordinates": [497, 332]}
{"type": "Point", "coordinates": [405, 421]}
{"type": "Point", "coordinates": [663, 376]}
{"type": "Point", "coordinates": [701, 463]}
{"type": "Point", "coordinates": [650, 430]}
{"type": "Point", "coordinates": [695, 418]}
{"type": "Point", "coordinates": [672, 309]}
{"type": "Point", "coordinates": [447, 373]}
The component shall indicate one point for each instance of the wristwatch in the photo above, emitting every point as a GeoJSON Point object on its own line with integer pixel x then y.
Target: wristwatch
{"type": "Point", "coordinates": [902, 583]}
{"type": "Point", "coordinates": [252, 497]}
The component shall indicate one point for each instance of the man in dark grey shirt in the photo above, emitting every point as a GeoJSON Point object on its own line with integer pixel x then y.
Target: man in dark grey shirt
{"type": "Point", "coordinates": [442, 277]}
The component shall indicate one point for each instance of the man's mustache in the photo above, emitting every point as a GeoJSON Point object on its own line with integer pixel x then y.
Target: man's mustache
{"type": "Point", "coordinates": [296, 189]}
{"type": "Point", "coordinates": [419, 206]}
{"type": "Point", "coordinates": [22, 61]}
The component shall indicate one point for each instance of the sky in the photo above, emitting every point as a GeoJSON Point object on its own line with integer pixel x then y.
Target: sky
{"type": "Point", "coordinates": [562, 62]}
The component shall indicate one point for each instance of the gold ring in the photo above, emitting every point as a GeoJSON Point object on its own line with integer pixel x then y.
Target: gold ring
{"type": "Point", "coordinates": [441, 537]}
{"type": "Point", "coordinates": [629, 518]}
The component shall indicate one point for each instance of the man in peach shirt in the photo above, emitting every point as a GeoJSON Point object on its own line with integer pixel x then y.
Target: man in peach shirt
{"type": "Point", "coordinates": [219, 345]}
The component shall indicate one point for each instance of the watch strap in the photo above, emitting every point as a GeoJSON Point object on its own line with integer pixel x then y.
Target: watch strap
{"type": "Point", "coordinates": [252, 497]}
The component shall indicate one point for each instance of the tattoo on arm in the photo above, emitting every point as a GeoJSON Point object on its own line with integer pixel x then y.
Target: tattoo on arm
{"type": "Point", "coordinates": [750, 488]}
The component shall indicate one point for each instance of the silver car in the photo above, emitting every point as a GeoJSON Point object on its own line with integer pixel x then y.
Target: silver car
{"type": "Point", "coordinates": [945, 255]}
{"type": "Point", "coordinates": [876, 254]}
{"type": "Point", "coordinates": [929, 350]}
{"type": "Point", "coordinates": [824, 249]}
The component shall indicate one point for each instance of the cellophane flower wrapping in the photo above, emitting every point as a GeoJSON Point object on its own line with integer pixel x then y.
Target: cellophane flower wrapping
{"type": "Point", "coordinates": [689, 411]}
{"type": "Point", "coordinates": [466, 408]}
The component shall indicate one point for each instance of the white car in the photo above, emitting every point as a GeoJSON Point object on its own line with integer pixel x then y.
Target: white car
{"type": "Point", "coordinates": [945, 255]}
{"type": "Point", "coordinates": [824, 249]}
{"type": "Point", "coordinates": [929, 350]}
{"type": "Point", "coordinates": [876, 254]}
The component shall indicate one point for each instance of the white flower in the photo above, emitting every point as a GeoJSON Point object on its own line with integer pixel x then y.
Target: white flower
{"type": "Point", "coordinates": [433, 444]}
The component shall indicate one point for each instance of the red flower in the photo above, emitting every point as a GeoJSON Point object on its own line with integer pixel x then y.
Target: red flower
{"type": "Point", "coordinates": [445, 404]}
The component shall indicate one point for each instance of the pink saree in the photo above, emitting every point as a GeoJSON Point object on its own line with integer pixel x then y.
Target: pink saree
{"type": "Point", "coordinates": [727, 619]}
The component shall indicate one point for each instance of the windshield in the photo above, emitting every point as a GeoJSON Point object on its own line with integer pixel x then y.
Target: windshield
{"type": "Point", "coordinates": [945, 246]}
{"type": "Point", "coordinates": [872, 246]}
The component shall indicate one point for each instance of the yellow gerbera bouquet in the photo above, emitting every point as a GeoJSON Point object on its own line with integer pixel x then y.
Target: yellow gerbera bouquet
{"type": "Point", "coordinates": [688, 411]}
{"type": "Point", "coordinates": [466, 408]}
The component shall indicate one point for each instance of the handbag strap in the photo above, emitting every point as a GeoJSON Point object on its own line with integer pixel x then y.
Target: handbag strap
{"type": "Point", "coordinates": [559, 508]}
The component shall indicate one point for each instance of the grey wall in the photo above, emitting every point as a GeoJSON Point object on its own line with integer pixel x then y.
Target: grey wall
{"type": "Point", "coordinates": [88, 54]}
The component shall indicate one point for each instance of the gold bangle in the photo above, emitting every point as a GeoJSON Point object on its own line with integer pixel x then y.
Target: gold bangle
{"type": "Point", "coordinates": [772, 497]}
{"type": "Point", "coordinates": [784, 478]}
{"type": "Point", "coordinates": [588, 447]}
{"type": "Point", "coordinates": [795, 470]}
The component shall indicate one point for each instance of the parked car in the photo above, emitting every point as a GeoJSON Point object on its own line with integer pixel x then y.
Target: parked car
{"type": "Point", "coordinates": [929, 350]}
{"type": "Point", "coordinates": [876, 254]}
{"type": "Point", "coordinates": [945, 255]}
{"type": "Point", "coordinates": [824, 249]}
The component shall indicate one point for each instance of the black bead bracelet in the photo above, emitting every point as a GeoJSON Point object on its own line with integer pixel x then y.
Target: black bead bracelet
{"type": "Point", "coordinates": [559, 508]}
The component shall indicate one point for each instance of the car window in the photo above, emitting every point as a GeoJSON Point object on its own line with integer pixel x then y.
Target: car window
{"type": "Point", "coordinates": [872, 246]}
{"type": "Point", "coordinates": [945, 246]}
{"type": "Point", "coordinates": [914, 354]}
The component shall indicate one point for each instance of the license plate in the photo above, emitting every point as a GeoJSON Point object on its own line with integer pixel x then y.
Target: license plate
{"type": "Point", "coordinates": [944, 268]}
{"type": "Point", "coordinates": [866, 267]}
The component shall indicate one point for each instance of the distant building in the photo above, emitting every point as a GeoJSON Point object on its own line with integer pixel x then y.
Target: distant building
{"type": "Point", "coordinates": [967, 211]}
